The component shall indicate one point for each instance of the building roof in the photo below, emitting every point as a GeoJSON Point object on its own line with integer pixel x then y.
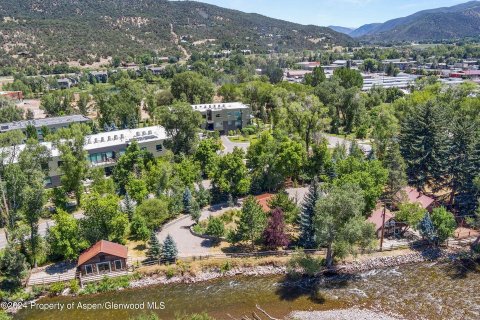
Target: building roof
{"type": "Point", "coordinates": [103, 246]}
{"type": "Point", "coordinates": [414, 196]}
{"type": "Point", "coordinates": [263, 201]}
{"type": "Point", "coordinates": [377, 217]}
{"type": "Point", "coordinates": [219, 106]}
{"type": "Point", "coordinates": [38, 123]}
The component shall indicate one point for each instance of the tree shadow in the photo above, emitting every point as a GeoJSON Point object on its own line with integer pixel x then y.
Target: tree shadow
{"type": "Point", "coordinates": [462, 266]}
{"type": "Point", "coordinates": [140, 247]}
{"type": "Point", "coordinates": [428, 251]}
{"type": "Point", "coordinates": [293, 288]}
{"type": "Point", "coordinates": [60, 267]}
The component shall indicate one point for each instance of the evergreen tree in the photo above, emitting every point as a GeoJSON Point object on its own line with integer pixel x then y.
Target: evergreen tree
{"type": "Point", "coordinates": [464, 157]}
{"type": "Point", "coordinates": [426, 228]}
{"type": "Point", "coordinates": [154, 248]}
{"type": "Point", "coordinates": [128, 206]}
{"type": "Point", "coordinates": [274, 235]}
{"type": "Point", "coordinates": [355, 151]}
{"type": "Point", "coordinates": [169, 250]}
{"type": "Point", "coordinates": [187, 200]}
{"type": "Point", "coordinates": [252, 221]}
{"type": "Point", "coordinates": [307, 229]}
{"type": "Point", "coordinates": [397, 176]}
{"type": "Point", "coordinates": [424, 142]}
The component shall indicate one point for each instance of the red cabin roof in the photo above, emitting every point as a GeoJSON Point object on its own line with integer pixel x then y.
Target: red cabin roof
{"type": "Point", "coordinates": [103, 246]}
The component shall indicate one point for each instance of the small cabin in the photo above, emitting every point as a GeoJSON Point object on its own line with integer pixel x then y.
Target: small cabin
{"type": "Point", "coordinates": [103, 257]}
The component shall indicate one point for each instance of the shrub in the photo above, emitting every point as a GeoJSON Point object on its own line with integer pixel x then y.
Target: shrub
{"type": "Point", "coordinates": [74, 286]}
{"type": "Point", "coordinates": [170, 273]}
{"type": "Point", "coordinates": [302, 264]}
{"type": "Point", "coordinates": [56, 288]}
{"type": "Point", "coordinates": [215, 227]}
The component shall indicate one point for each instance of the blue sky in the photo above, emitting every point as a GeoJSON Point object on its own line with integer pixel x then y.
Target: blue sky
{"type": "Point", "coordinates": [348, 13]}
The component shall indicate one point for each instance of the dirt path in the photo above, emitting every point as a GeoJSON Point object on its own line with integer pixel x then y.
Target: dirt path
{"type": "Point", "coordinates": [177, 42]}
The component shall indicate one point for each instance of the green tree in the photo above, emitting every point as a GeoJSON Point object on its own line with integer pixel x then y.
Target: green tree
{"type": "Point", "coordinates": [231, 174]}
{"type": "Point", "coordinates": [64, 237]}
{"type": "Point", "coordinates": [339, 224]}
{"type": "Point", "coordinates": [215, 227]}
{"type": "Point", "coordinates": [307, 215]}
{"type": "Point", "coordinates": [82, 104]}
{"type": "Point", "coordinates": [154, 211]}
{"type": "Point", "coordinates": [348, 78]}
{"type": "Point", "coordinates": [154, 247]}
{"type": "Point", "coordinates": [73, 158]}
{"type": "Point", "coordinates": [187, 201]}
{"type": "Point", "coordinates": [34, 200]}
{"type": "Point", "coordinates": [169, 249]}
{"type": "Point", "coordinates": [131, 164]}
{"type": "Point", "coordinates": [137, 190]}
{"type": "Point", "coordinates": [192, 87]}
{"type": "Point", "coordinates": [410, 213]}
{"type": "Point", "coordinates": [103, 219]}
{"type": "Point", "coordinates": [139, 229]}
{"type": "Point", "coordinates": [288, 206]}
{"type": "Point", "coordinates": [316, 77]}
{"type": "Point", "coordinates": [206, 154]}
{"type": "Point", "coordinates": [397, 176]}
{"type": "Point", "coordinates": [13, 264]}
{"type": "Point", "coordinates": [444, 224]}
{"type": "Point", "coordinates": [252, 221]}
{"type": "Point", "coordinates": [181, 124]}
{"type": "Point", "coordinates": [424, 142]}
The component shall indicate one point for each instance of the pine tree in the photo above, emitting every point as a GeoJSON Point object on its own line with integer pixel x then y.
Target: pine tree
{"type": "Point", "coordinates": [424, 143]}
{"type": "Point", "coordinates": [274, 235]}
{"type": "Point", "coordinates": [427, 229]}
{"type": "Point", "coordinates": [187, 201]}
{"type": "Point", "coordinates": [464, 165]}
{"type": "Point", "coordinates": [128, 206]}
{"type": "Point", "coordinates": [397, 176]}
{"type": "Point", "coordinates": [154, 248]}
{"type": "Point", "coordinates": [355, 151]}
{"type": "Point", "coordinates": [169, 249]}
{"type": "Point", "coordinates": [307, 235]}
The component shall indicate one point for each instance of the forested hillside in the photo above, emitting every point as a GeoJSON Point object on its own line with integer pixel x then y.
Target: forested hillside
{"type": "Point", "coordinates": [72, 30]}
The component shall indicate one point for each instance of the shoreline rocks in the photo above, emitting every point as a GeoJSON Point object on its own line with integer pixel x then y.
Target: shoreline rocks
{"type": "Point", "coordinates": [347, 268]}
{"type": "Point", "coordinates": [342, 314]}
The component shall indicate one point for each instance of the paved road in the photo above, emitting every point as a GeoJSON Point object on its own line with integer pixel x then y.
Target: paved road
{"type": "Point", "coordinates": [42, 229]}
{"type": "Point", "coordinates": [229, 145]}
{"type": "Point", "coordinates": [188, 244]}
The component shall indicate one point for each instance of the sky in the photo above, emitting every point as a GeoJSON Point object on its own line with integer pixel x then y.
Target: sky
{"type": "Point", "coordinates": [345, 13]}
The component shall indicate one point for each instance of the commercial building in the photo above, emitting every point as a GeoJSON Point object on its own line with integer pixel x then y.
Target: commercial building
{"type": "Point", "coordinates": [402, 81]}
{"type": "Point", "coordinates": [103, 149]}
{"type": "Point", "coordinates": [224, 117]}
{"type": "Point", "coordinates": [52, 124]}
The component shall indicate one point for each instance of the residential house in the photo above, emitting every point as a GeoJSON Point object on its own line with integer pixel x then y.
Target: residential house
{"type": "Point", "coordinates": [412, 195]}
{"type": "Point", "coordinates": [377, 219]}
{"type": "Point", "coordinates": [98, 76]}
{"type": "Point", "coordinates": [103, 257]}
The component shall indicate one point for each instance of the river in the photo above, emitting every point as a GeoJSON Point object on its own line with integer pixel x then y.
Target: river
{"type": "Point", "coordinates": [423, 291]}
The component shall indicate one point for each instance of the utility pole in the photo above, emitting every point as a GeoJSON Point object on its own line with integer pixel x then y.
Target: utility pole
{"type": "Point", "coordinates": [383, 225]}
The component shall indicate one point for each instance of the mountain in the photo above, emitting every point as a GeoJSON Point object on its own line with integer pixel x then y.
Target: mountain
{"type": "Point", "coordinates": [42, 31]}
{"type": "Point", "coordinates": [458, 21]}
{"type": "Point", "coordinates": [340, 29]}
{"type": "Point", "coordinates": [364, 30]}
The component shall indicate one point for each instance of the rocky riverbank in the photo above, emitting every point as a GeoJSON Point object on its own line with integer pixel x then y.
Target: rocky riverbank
{"type": "Point", "coordinates": [345, 314]}
{"type": "Point", "coordinates": [365, 264]}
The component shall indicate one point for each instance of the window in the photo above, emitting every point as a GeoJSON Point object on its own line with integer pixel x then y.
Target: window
{"type": "Point", "coordinates": [159, 147]}
{"type": "Point", "coordinates": [118, 264]}
{"type": "Point", "coordinates": [47, 181]}
{"type": "Point", "coordinates": [103, 267]}
{"type": "Point", "coordinates": [218, 125]}
{"type": "Point", "coordinates": [88, 269]}
{"type": "Point", "coordinates": [217, 115]}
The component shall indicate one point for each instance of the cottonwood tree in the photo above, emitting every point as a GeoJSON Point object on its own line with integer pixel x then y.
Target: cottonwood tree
{"type": "Point", "coordinates": [181, 124]}
{"type": "Point", "coordinates": [192, 87]}
{"type": "Point", "coordinates": [64, 237]}
{"type": "Point", "coordinates": [73, 158]}
{"type": "Point", "coordinates": [339, 224]}
{"type": "Point", "coordinates": [231, 174]}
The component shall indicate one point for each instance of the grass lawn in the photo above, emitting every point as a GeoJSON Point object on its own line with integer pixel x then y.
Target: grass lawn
{"type": "Point", "coordinates": [243, 139]}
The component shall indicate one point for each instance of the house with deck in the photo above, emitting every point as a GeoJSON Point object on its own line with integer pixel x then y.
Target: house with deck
{"type": "Point", "coordinates": [102, 258]}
